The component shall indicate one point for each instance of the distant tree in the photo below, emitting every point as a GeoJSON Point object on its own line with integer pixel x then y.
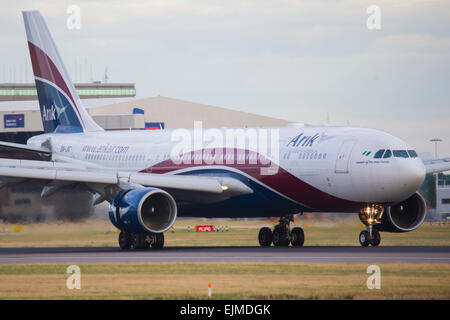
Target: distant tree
{"type": "Point", "coordinates": [428, 190]}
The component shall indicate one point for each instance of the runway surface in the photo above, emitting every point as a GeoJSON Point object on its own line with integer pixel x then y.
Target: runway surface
{"type": "Point", "coordinates": [228, 254]}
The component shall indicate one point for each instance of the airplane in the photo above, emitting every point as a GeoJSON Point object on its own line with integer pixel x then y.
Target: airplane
{"type": "Point", "coordinates": [149, 180]}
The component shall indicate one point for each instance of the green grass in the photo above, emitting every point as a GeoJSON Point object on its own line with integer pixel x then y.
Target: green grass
{"type": "Point", "coordinates": [229, 281]}
{"type": "Point", "coordinates": [101, 233]}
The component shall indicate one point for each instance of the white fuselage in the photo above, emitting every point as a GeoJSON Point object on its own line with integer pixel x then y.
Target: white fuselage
{"type": "Point", "coordinates": [337, 162]}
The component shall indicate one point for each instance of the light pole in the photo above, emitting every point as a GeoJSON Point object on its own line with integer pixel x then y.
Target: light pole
{"type": "Point", "coordinates": [435, 140]}
{"type": "Point", "coordinates": [436, 175]}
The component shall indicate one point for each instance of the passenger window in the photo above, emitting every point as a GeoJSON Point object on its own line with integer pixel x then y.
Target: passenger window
{"type": "Point", "coordinates": [379, 154]}
{"type": "Point", "coordinates": [387, 154]}
{"type": "Point", "coordinates": [400, 154]}
{"type": "Point", "coordinates": [412, 153]}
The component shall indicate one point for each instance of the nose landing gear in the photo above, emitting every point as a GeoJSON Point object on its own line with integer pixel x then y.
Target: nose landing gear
{"type": "Point", "coordinates": [370, 216]}
{"type": "Point", "coordinates": [282, 236]}
{"type": "Point", "coordinates": [365, 238]}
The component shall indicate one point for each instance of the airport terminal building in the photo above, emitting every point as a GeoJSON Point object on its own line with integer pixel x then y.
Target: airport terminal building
{"type": "Point", "coordinates": [115, 107]}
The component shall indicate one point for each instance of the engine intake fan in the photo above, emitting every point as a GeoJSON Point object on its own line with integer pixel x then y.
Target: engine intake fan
{"type": "Point", "coordinates": [143, 210]}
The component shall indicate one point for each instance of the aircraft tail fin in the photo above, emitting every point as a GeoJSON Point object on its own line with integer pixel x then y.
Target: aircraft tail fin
{"type": "Point", "coordinates": [61, 109]}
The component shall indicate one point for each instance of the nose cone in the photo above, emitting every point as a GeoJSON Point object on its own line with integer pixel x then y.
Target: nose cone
{"type": "Point", "coordinates": [418, 172]}
{"type": "Point", "coordinates": [409, 177]}
{"type": "Point", "coordinates": [397, 181]}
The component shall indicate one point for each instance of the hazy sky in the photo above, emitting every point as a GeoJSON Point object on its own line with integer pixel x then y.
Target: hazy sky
{"type": "Point", "coordinates": [296, 60]}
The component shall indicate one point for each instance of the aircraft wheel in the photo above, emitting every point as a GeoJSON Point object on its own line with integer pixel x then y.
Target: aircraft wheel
{"type": "Point", "coordinates": [158, 241]}
{"type": "Point", "coordinates": [146, 242]}
{"type": "Point", "coordinates": [124, 240]}
{"type": "Point", "coordinates": [364, 238]}
{"type": "Point", "coordinates": [137, 241]}
{"type": "Point", "coordinates": [298, 237]}
{"type": "Point", "coordinates": [376, 238]}
{"type": "Point", "coordinates": [265, 237]}
{"type": "Point", "coordinates": [280, 237]}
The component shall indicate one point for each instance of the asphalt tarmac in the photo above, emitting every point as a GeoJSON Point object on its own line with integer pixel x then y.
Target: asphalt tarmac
{"type": "Point", "coordinates": [369, 255]}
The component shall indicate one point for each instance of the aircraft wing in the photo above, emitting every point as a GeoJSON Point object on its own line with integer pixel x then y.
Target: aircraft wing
{"type": "Point", "coordinates": [23, 151]}
{"type": "Point", "coordinates": [23, 147]}
{"type": "Point", "coordinates": [12, 170]}
{"type": "Point", "coordinates": [437, 165]}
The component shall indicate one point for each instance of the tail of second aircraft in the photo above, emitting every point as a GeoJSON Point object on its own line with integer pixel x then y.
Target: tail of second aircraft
{"type": "Point", "coordinates": [61, 108]}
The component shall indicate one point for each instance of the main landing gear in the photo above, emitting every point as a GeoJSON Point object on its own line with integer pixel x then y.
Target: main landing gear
{"type": "Point", "coordinates": [138, 241]}
{"type": "Point", "coordinates": [282, 235]}
{"type": "Point", "coordinates": [370, 216]}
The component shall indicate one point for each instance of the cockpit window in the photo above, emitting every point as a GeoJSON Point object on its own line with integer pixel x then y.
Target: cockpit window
{"type": "Point", "coordinates": [387, 154]}
{"type": "Point", "coordinates": [412, 153]}
{"type": "Point", "coordinates": [400, 154]}
{"type": "Point", "coordinates": [379, 154]}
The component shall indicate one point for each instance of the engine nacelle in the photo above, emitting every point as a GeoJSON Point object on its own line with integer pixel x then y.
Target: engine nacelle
{"type": "Point", "coordinates": [143, 210]}
{"type": "Point", "coordinates": [405, 216]}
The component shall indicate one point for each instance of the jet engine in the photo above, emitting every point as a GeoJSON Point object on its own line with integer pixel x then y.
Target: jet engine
{"type": "Point", "coordinates": [143, 210]}
{"type": "Point", "coordinates": [405, 216]}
